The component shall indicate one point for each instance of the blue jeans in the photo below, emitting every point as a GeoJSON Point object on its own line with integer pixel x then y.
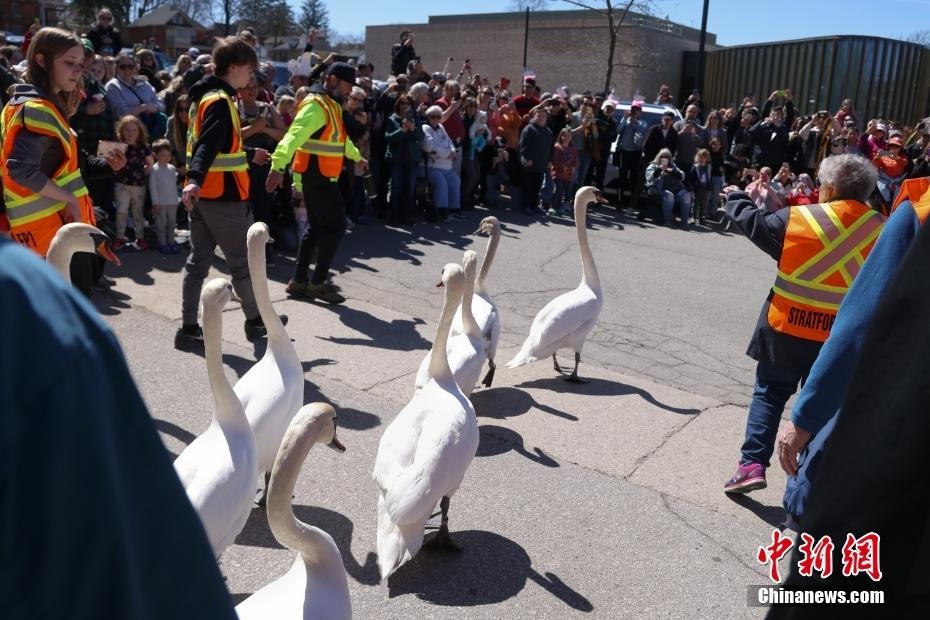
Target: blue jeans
{"type": "Point", "coordinates": [682, 198]}
{"type": "Point", "coordinates": [584, 164]}
{"type": "Point", "coordinates": [446, 186]}
{"type": "Point", "coordinates": [548, 189]}
{"type": "Point", "coordinates": [403, 189]}
{"type": "Point", "coordinates": [774, 386]}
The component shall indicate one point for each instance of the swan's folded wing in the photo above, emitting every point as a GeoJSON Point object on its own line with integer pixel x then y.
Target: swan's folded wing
{"type": "Point", "coordinates": [417, 489]}
{"type": "Point", "coordinates": [398, 444]}
{"type": "Point", "coordinates": [560, 318]}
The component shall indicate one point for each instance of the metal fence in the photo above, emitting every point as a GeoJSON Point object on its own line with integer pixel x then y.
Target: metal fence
{"type": "Point", "coordinates": [885, 78]}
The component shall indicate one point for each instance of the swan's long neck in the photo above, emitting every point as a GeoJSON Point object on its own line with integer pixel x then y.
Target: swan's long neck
{"type": "Point", "coordinates": [468, 318]}
{"type": "Point", "coordinates": [588, 269]}
{"type": "Point", "coordinates": [489, 253]}
{"type": "Point", "coordinates": [59, 256]}
{"type": "Point", "coordinates": [260, 287]}
{"type": "Point", "coordinates": [228, 409]}
{"type": "Point", "coordinates": [438, 360]}
{"type": "Point", "coordinates": [288, 529]}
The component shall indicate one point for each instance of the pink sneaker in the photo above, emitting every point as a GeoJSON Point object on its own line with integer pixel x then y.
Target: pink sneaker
{"type": "Point", "coordinates": [748, 477]}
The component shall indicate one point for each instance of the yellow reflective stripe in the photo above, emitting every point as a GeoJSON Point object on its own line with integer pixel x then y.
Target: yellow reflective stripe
{"type": "Point", "coordinates": [807, 301]}
{"type": "Point", "coordinates": [820, 286]}
{"type": "Point", "coordinates": [25, 209]}
{"type": "Point", "coordinates": [836, 243]}
{"type": "Point", "coordinates": [323, 147]}
{"type": "Point", "coordinates": [229, 162]}
{"type": "Point", "coordinates": [36, 114]}
{"type": "Point", "coordinates": [856, 249]}
{"type": "Point", "coordinates": [814, 224]}
{"type": "Point", "coordinates": [833, 217]}
{"type": "Point", "coordinates": [35, 215]}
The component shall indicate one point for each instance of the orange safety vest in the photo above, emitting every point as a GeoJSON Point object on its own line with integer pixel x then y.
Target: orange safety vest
{"type": "Point", "coordinates": [825, 247]}
{"type": "Point", "coordinates": [34, 219]}
{"type": "Point", "coordinates": [330, 145]}
{"type": "Point", "coordinates": [234, 161]}
{"type": "Point", "coordinates": [918, 192]}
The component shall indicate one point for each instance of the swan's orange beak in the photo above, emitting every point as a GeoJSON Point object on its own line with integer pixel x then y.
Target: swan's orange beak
{"type": "Point", "coordinates": [600, 198]}
{"type": "Point", "coordinates": [104, 249]}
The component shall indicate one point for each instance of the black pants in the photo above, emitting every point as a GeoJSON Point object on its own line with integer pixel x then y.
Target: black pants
{"type": "Point", "coordinates": [326, 214]}
{"type": "Point", "coordinates": [531, 184]}
{"type": "Point", "coordinates": [260, 199]}
{"type": "Point", "coordinates": [600, 167]}
{"type": "Point", "coordinates": [629, 166]}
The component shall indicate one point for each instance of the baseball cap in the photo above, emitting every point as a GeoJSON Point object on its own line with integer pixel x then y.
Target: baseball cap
{"type": "Point", "coordinates": [342, 70]}
{"type": "Point", "coordinates": [88, 46]}
{"type": "Point", "coordinates": [668, 114]}
{"type": "Point", "coordinates": [193, 52]}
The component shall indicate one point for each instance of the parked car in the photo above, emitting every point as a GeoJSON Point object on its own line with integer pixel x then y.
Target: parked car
{"type": "Point", "coordinates": [652, 114]}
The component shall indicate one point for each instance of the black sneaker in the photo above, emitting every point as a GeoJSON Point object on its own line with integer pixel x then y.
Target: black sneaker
{"type": "Point", "coordinates": [255, 328]}
{"type": "Point", "coordinates": [188, 337]}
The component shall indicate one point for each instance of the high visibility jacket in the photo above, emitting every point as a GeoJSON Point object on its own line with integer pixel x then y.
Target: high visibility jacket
{"type": "Point", "coordinates": [329, 146]}
{"type": "Point", "coordinates": [917, 191]}
{"type": "Point", "coordinates": [34, 219]}
{"type": "Point", "coordinates": [234, 161]}
{"type": "Point", "coordinates": [825, 246]}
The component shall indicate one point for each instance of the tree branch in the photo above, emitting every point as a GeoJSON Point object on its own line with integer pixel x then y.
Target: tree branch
{"type": "Point", "coordinates": [587, 6]}
{"type": "Point", "coordinates": [626, 10]}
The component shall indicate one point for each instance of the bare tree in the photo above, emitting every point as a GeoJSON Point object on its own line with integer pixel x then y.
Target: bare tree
{"type": "Point", "coordinates": [533, 5]}
{"type": "Point", "coordinates": [345, 38]}
{"type": "Point", "coordinates": [921, 37]}
{"type": "Point", "coordinates": [616, 13]}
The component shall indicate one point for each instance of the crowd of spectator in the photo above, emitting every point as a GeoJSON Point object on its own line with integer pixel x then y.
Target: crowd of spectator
{"type": "Point", "coordinates": [441, 143]}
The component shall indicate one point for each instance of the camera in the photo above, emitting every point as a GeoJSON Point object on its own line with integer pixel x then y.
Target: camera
{"type": "Point", "coordinates": [439, 76]}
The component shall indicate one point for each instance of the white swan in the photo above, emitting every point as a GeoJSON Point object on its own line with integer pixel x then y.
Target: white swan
{"type": "Point", "coordinates": [218, 469]}
{"type": "Point", "coordinates": [425, 452]}
{"type": "Point", "coordinates": [566, 321]}
{"type": "Point", "coordinates": [483, 307]}
{"type": "Point", "coordinates": [466, 350]}
{"type": "Point", "coordinates": [316, 585]}
{"type": "Point", "coordinates": [73, 238]}
{"type": "Point", "coordinates": [272, 390]}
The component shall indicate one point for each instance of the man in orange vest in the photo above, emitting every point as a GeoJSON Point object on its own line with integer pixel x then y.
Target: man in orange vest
{"type": "Point", "coordinates": [820, 250]}
{"type": "Point", "coordinates": [216, 191]}
{"type": "Point", "coordinates": [318, 144]}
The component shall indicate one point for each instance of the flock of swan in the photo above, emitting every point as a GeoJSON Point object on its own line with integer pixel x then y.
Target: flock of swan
{"type": "Point", "coordinates": [261, 426]}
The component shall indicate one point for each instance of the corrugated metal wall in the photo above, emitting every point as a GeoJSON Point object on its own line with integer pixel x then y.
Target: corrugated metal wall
{"type": "Point", "coordinates": [885, 78]}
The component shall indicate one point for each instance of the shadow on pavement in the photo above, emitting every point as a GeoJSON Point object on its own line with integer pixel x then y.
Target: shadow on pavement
{"type": "Point", "coordinates": [396, 335]}
{"type": "Point", "coordinates": [497, 440]}
{"type": "Point", "coordinates": [773, 515]}
{"type": "Point", "coordinates": [602, 387]}
{"type": "Point", "coordinates": [507, 402]}
{"type": "Point", "coordinates": [181, 434]}
{"type": "Point", "coordinates": [488, 570]}
{"type": "Point", "coordinates": [257, 533]}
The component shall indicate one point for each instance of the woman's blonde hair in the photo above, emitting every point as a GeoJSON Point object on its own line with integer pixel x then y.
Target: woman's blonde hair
{"type": "Point", "coordinates": [51, 43]}
{"type": "Point", "coordinates": [701, 154]}
{"type": "Point", "coordinates": [130, 119]}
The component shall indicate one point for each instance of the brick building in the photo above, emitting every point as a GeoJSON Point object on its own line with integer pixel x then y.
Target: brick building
{"type": "Point", "coordinates": [564, 48]}
{"type": "Point", "coordinates": [17, 15]}
{"type": "Point", "coordinates": [172, 30]}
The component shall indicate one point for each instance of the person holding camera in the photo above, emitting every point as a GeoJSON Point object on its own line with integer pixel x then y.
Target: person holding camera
{"type": "Point", "coordinates": [536, 143]}
{"type": "Point", "coordinates": [629, 154]}
{"type": "Point", "coordinates": [665, 181]}
{"type": "Point", "coordinates": [403, 53]}
{"type": "Point", "coordinates": [816, 136]}
{"type": "Point", "coordinates": [892, 164]}
{"type": "Point", "coordinates": [404, 137]}
{"type": "Point", "coordinates": [440, 156]}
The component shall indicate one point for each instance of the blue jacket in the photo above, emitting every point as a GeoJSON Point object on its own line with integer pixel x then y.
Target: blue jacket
{"type": "Point", "coordinates": [818, 404]}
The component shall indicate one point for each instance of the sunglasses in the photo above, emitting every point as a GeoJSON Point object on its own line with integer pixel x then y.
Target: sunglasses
{"type": "Point", "coordinates": [122, 66]}
{"type": "Point", "coordinates": [434, 116]}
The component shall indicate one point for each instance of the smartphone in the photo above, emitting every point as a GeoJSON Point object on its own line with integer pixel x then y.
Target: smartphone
{"type": "Point", "coordinates": [780, 93]}
{"type": "Point", "coordinates": [105, 148]}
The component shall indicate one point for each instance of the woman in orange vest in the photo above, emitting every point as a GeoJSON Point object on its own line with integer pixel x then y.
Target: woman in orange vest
{"type": "Point", "coordinates": [41, 163]}
{"type": "Point", "coordinates": [820, 249]}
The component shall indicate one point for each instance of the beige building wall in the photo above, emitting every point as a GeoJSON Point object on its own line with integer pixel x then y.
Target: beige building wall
{"type": "Point", "coordinates": [565, 48]}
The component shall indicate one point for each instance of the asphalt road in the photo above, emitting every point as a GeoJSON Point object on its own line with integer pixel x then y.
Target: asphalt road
{"type": "Point", "coordinates": [601, 501]}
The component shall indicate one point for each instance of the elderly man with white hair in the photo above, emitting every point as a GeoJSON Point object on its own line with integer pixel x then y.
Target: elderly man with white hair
{"type": "Point", "coordinates": [820, 249]}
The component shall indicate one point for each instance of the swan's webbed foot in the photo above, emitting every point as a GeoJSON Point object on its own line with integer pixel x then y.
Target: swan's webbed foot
{"type": "Point", "coordinates": [489, 378]}
{"type": "Point", "coordinates": [555, 365]}
{"type": "Point", "coordinates": [442, 539]}
{"type": "Point", "coordinates": [261, 495]}
{"type": "Point", "coordinates": [573, 378]}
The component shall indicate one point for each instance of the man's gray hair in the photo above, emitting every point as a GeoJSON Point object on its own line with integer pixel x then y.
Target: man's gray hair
{"type": "Point", "coordinates": [850, 176]}
{"type": "Point", "coordinates": [418, 89]}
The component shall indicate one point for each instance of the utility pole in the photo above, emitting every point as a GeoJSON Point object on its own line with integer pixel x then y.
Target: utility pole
{"type": "Point", "coordinates": [701, 52]}
{"type": "Point", "coordinates": [526, 36]}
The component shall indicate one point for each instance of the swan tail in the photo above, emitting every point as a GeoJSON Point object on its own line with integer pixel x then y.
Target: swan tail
{"type": "Point", "coordinates": [525, 356]}
{"type": "Point", "coordinates": [396, 543]}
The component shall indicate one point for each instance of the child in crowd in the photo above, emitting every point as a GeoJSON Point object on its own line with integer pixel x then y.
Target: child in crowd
{"type": "Point", "coordinates": [717, 172]}
{"type": "Point", "coordinates": [301, 93]}
{"type": "Point", "coordinates": [163, 190]}
{"type": "Point", "coordinates": [564, 164]}
{"type": "Point", "coordinates": [803, 192]}
{"type": "Point", "coordinates": [357, 204]}
{"type": "Point", "coordinates": [699, 181]}
{"type": "Point", "coordinates": [131, 180]}
{"type": "Point", "coordinates": [287, 108]}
